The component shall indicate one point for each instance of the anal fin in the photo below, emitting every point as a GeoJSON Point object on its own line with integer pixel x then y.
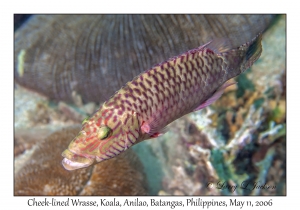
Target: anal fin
{"type": "Point", "coordinates": [215, 96]}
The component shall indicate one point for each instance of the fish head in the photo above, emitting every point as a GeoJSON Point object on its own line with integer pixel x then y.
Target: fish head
{"type": "Point", "coordinates": [109, 132]}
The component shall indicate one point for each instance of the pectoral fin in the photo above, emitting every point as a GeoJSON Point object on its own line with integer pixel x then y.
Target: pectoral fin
{"type": "Point", "coordinates": [153, 128]}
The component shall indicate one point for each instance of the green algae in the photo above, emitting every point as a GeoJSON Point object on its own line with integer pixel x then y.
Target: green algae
{"type": "Point", "coordinates": [244, 84]}
{"type": "Point", "coordinates": [258, 102]}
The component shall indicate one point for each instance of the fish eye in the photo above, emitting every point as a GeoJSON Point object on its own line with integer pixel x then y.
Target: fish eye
{"type": "Point", "coordinates": [104, 132]}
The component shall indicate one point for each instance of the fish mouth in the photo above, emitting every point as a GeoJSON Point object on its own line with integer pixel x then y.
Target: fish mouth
{"type": "Point", "coordinates": [74, 161]}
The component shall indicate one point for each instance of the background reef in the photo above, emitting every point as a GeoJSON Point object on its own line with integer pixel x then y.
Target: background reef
{"type": "Point", "coordinates": [240, 138]}
{"type": "Point", "coordinates": [67, 57]}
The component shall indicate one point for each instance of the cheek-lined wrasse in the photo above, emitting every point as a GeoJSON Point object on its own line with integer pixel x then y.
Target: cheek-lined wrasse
{"type": "Point", "coordinates": [146, 105]}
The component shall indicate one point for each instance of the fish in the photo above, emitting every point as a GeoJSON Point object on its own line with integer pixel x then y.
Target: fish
{"type": "Point", "coordinates": [144, 107]}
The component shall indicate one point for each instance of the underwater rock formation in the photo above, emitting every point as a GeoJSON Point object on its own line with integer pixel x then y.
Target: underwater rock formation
{"type": "Point", "coordinates": [91, 56]}
{"type": "Point", "coordinates": [43, 174]}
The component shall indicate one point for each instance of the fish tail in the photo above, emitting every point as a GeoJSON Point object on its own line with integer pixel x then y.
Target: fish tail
{"type": "Point", "coordinates": [253, 52]}
{"type": "Point", "coordinates": [242, 58]}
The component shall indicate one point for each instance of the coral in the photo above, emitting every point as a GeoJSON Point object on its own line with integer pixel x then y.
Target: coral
{"type": "Point", "coordinates": [34, 110]}
{"type": "Point", "coordinates": [85, 58]}
{"type": "Point", "coordinates": [276, 175]}
{"type": "Point", "coordinates": [71, 113]}
{"type": "Point", "coordinates": [245, 134]}
{"type": "Point", "coordinates": [189, 173]}
{"type": "Point", "coordinates": [25, 102]}
{"type": "Point", "coordinates": [43, 174]}
{"type": "Point", "coordinates": [186, 186]}
{"type": "Point", "coordinates": [122, 175]}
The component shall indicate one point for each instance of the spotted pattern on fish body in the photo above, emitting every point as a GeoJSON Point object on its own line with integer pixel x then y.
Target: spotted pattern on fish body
{"type": "Point", "coordinates": [147, 104]}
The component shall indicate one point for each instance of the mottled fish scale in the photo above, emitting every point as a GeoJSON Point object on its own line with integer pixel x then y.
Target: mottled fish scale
{"type": "Point", "coordinates": [153, 91]}
{"type": "Point", "coordinates": [146, 105]}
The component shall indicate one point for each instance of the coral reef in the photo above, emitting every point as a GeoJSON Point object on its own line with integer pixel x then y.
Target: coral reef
{"type": "Point", "coordinates": [43, 174]}
{"type": "Point", "coordinates": [35, 111]}
{"type": "Point", "coordinates": [89, 57]}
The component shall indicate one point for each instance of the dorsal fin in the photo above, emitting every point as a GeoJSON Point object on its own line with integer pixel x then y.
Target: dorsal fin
{"type": "Point", "coordinates": [220, 45]}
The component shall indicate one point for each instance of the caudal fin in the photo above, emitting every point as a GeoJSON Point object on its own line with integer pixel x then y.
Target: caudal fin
{"type": "Point", "coordinates": [238, 59]}
{"type": "Point", "coordinates": [253, 52]}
